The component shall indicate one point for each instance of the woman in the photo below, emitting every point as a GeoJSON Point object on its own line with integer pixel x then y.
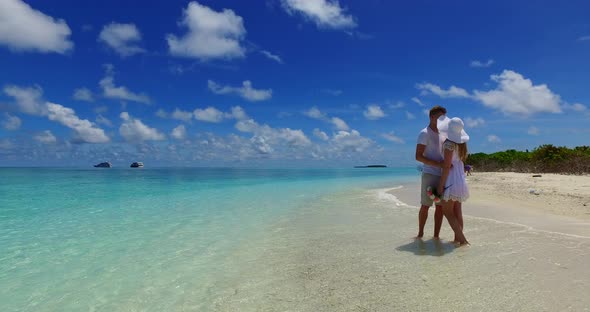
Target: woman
{"type": "Point", "coordinates": [453, 186]}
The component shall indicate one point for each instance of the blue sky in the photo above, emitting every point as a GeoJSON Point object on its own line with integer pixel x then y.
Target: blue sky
{"type": "Point", "coordinates": [308, 83]}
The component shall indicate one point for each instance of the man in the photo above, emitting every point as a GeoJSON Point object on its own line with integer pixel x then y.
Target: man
{"type": "Point", "coordinates": [429, 152]}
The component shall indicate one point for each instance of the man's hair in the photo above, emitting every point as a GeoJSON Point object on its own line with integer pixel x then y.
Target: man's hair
{"type": "Point", "coordinates": [437, 109]}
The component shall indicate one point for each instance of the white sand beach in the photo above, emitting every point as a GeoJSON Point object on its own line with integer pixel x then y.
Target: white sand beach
{"type": "Point", "coordinates": [356, 252]}
{"type": "Point", "coordinates": [552, 202]}
{"type": "Point", "coordinates": [556, 194]}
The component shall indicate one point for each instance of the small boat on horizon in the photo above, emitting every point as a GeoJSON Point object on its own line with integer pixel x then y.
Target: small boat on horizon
{"type": "Point", "coordinates": [137, 164]}
{"type": "Point", "coordinates": [105, 164]}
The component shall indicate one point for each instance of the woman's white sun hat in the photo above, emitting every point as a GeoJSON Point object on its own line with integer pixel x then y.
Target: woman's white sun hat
{"type": "Point", "coordinates": [453, 129]}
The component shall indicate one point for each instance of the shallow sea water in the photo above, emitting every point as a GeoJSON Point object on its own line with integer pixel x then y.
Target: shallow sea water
{"type": "Point", "coordinates": [150, 239]}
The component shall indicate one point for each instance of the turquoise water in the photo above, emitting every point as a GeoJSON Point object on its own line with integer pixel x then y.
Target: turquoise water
{"type": "Point", "coordinates": [144, 239]}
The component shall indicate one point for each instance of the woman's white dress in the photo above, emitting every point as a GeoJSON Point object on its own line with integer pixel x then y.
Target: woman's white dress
{"type": "Point", "coordinates": [455, 186]}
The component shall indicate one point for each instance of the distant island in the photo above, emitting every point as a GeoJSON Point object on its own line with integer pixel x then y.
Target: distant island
{"type": "Point", "coordinates": [372, 166]}
{"type": "Point", "coordinates": [103, 165]}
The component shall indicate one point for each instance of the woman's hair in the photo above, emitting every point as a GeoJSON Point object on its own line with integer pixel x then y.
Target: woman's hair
{"type": "Point", "coordinates": [462, 151]}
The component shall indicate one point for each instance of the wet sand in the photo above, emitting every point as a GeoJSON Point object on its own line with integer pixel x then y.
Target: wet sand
{"type": "Point", "coordinates": [355, 251]}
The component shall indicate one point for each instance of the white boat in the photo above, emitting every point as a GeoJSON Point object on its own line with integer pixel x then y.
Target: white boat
{"type": "Point", "coordinates": [137, 164]}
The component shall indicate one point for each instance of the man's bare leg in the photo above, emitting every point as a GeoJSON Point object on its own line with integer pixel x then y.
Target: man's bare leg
{"type": "Point", "coordinates": [438, 219]}
{"type": "Point", "coordinates": [422, 217]}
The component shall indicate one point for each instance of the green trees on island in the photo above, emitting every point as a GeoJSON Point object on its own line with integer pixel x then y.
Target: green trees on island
{"type": "Point", "coordinates": [545, 158]}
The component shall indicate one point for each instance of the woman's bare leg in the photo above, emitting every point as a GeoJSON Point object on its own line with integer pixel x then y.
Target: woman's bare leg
{"type": "Point", "coordinates": [458, 212]}
{"type": "Point", "coordinates": [448, 212]}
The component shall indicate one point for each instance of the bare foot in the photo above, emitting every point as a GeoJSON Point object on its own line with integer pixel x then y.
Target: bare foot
{"type": "Point", "coordinates": [436, 238]}
{"type": "Point", "coordinates": [420, 235]}
{"type": "Point", "coordinates": [462, 244]}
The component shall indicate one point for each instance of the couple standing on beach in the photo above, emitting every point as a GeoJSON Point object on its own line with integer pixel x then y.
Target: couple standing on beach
{"type": "Point", "coordinates": [442, 149]}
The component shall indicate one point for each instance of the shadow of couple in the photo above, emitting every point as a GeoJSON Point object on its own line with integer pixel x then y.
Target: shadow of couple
{"type": "Point", "coordinates": [431, 247]}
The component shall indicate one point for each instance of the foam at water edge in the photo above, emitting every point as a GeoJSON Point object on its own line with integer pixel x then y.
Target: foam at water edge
{"type": "Point", "coordinates": [383, 195]}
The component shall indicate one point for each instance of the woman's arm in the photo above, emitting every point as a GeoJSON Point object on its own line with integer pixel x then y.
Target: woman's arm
{"type": "Point", "coordinates": [448, 154]}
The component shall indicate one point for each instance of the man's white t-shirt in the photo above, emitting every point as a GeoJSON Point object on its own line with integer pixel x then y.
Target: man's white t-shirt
{"type": "Point", "coordinates": [433, 150]}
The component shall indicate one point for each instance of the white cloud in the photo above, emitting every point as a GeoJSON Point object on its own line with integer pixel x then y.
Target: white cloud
{"type": "Point", "coordinates": [11, 122]}
{"type": "Point", "coordinates": [245, 91]}
{"type": "Point", "coordinates": [179, 132]}
{"type": "Point", "coordinates": [122, 93]}
{"type": "Point", "coordinates": [493, 138]}
{"type": "Point", "coordinates": [28, 100]}
{"type": "Point", "coordinates": [410, 116]}
{"type": "Point", "coordinates": [182, 115]}
{"type": "Point", "coordinates": [533, 131]}
{"type": "Point", "coordinates": [392, 138]}
{"type": "Point", "coordinates": [211, 34]}
{"type": "Point", "coordinates": [237, 113]}
{"type": "Point", "coordinates": [398, 104]}
{"type": "Point", "coordinates": [161, 113]}
{"type": "Point", "coordinates": [474, 122]}
{"type": "Point", "coordinates": [320, 134]}
{"type": "Point", "coordinates": [209, 114]}
{"type": "Point", "coordinates": [86, 131]}
{"type": "Point", "coordinates": [261, 145]}
{"type": "Point", "coordinates": [339, 124]}
{"type": "Point", "coordinates": [133, 130]}
{"type": "Point", "coordinates": [123, 38]}
{"type": "Point", "coordinates": [101, 120]}
{"type": "Point", "coordinates": [23, 28]}
{"type": "Point", "coordinates": [271, 56]}
{"type": "Point", "coordinates": [45, 137]}
{"type": "Point", "coordinates": [265, 136]}
{"type": "Point", "coordinates": [6, 144]}
{"type": "Point", "coordinates": [514, 95]}
{"type": "Point", "coordinates": [479, 64]}
{"type": "Point", "coordinates": [373, 112]}
{"type": "Point", "coordinates": [248, 125]}
{"type": "Point", "coordinates": [101, 109]}
{"type": "Point", "coordinates": [584, 38]}
{"type": "Point", "coordinates": [417, 101]}
{"type": "Point", "coordinates": [324, 13]}
{"type": "Point", "coordinates": [350, 141]}
{"type": "Point", "coordinates": [517, 95]}
{"type": "Point", "coordinates": [452, 92]}
{"type": "Point", "coordinates": [578, 107]}
{"type": "Point", "coordinates": [83, 94]}
{"type": "Point", "coordinates": [315, 113]}
{"type": "Point", "coordinates": [293, 137]}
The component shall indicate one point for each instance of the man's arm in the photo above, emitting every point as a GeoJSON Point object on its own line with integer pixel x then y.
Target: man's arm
{"type": "Point", "coordinates": [420, 157]}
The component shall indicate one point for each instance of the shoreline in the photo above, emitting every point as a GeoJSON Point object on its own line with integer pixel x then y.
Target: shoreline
{"type": "Point", "coordinates": [349, 248]}
{"type": "Point", "coordinates": [355, 250]}
{"type": "Point", "coordinates": [507, 197]}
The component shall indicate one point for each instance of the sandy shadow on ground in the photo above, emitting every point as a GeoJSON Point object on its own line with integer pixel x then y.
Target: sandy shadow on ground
{"type": "Point", "coordinates": [431, 247]}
